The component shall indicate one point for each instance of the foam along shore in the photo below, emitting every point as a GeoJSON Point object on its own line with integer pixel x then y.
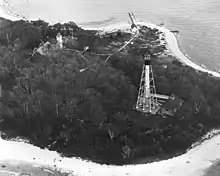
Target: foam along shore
{"type": "Point", "coordinates": [7, 12]}
{"type": "Point", "coordinates": [4, 13]}
{"type": "Point", "coordinates": [194, 163]}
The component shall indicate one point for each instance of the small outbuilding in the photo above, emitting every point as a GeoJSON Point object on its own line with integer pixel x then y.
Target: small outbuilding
{"type": "Point", "coordinates": [171, 106]}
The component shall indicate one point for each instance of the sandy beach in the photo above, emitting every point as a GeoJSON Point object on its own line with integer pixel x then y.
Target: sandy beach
{"type": "Point", "coordinates": [170, 37]}
{"type": "Point", "coordinates": [171, 40]}
{"type": "Point", "coordinates": [175, 49]}
{"type": "Point", "coordinates": [194, 163]}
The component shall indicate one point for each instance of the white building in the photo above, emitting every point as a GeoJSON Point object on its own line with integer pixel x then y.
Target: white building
{"type": "Point", "coordinates": [59, 40]}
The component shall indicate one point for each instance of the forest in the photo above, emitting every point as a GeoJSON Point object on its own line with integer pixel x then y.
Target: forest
{"type": "Point", "coordinates": [90, 114]}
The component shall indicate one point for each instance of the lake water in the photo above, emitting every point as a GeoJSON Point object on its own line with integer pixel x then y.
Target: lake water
{"type": "Point", "coordinates": [197, 20]}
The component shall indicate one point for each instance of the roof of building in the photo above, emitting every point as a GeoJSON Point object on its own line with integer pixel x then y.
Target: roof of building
{"type": "Point", "coordinates": [172, 104]}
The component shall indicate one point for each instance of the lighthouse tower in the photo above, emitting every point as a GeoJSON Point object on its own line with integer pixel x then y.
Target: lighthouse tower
{"type": "Point", "coordinates": [148, 101]}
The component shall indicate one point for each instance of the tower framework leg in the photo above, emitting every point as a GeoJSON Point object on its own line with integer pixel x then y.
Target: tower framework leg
{"type": "Point", "coordinates": [146, 101]}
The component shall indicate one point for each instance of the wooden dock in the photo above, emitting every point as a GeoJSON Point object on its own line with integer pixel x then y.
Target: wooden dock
{"type": "Point", "coordinates": [133, 20]}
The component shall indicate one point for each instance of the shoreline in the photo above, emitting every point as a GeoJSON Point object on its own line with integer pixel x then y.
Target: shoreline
{"type": "Point", "coordinates": [174, 48]}
{"type": "Point", "coordinates": [171, 38]}
{"type": "Point", "coordinates": [6, 12]}
{"type": "Point", "coordinates": [193, 163]}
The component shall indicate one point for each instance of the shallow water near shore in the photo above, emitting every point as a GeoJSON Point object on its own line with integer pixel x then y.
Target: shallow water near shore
{"type": "Point", "coordinates": [196, 20]}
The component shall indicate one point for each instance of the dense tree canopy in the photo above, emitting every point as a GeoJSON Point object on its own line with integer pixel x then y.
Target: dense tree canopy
{"type": "Point", "coordinates": [90, 113]}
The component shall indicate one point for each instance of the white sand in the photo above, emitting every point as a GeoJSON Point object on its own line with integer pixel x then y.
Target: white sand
{"type": "Point", "coordinates": [174, 48]}
{"type": "Point", "coordinates": [169, 36]}
{"type": "Point", "coordinates": [171, 41]}
{"type": "Point", "coordinates": [193, 163]}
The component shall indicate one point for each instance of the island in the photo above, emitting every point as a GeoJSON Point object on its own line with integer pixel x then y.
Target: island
{"type": "Point", "coordinates": [80, 102]}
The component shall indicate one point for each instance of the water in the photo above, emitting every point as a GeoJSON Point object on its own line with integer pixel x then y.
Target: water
{"type": "Point", "coordinates": [197, 20]}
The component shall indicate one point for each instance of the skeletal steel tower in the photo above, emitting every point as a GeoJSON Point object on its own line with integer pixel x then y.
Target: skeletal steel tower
{"type": "Point", "coordinates": [148, 101]}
